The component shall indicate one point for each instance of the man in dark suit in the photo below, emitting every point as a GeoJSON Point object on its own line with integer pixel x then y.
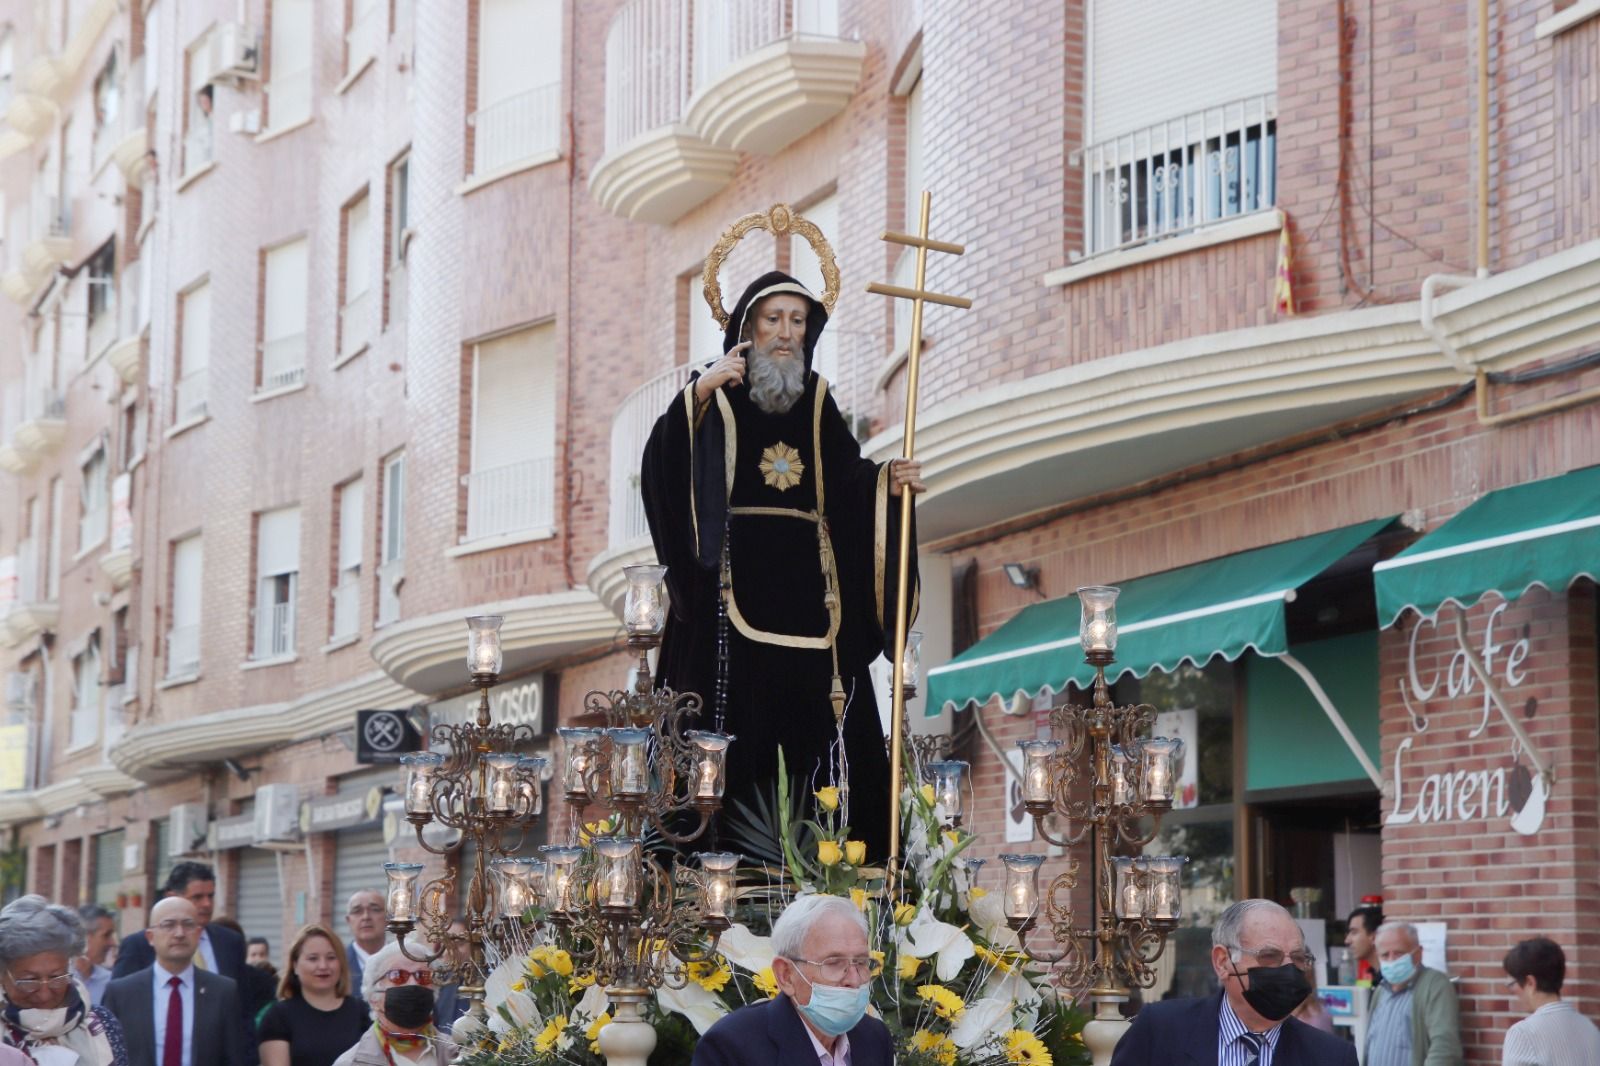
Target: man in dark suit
{"type": "Point", "coordinates": [173, 1013]}
{"type": "Point", "coordinates": [823, 969]}
{"type": "Point", "coordinates": [1249, 1023]}
{"type": "Point", "coordinates": [218, 949]}
{"type": "Point", "coordinates": [366, 916]}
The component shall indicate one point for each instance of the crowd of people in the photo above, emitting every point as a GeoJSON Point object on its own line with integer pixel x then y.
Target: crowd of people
{"type": "Point", "coordinates": [190, 989]}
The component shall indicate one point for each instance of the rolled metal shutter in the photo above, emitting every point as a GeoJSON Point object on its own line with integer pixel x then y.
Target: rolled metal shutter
{"type": "Point", "coordinates": [258, 900]}
{"type": "Point", "coordinates": [358, 858]}
{"type": "Point", "coordinates": [163, 837]}
{"type": "Point", "coordinates": [108, 867]}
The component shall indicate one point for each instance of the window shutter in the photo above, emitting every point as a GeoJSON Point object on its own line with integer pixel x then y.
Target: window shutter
{"type": "Point", "coordinates": [357, 250]}
{"type": "Point", "coordinates": [196, 353]}
{"type": "Point", "coordinates": [186, 560]}
{"type": "Point", "coordinates": [807, 270]}
{"type": "Point", "coordinates": [1155, 60]}
{"type": "Point", "coordinates": [290, 59]}
{"type": "Point", "coordinates": [351, 498]}
{"type": "Point", "coordinates": [394, 502]}
{"type": "Point", "coordinates": [914, 177]}
{"type": "Point", "coordinates": [278, 542]}
{"type": "Point", "coordinates": [515, 409]}
{"type": "Point", "coordinates": [285, 298]}
{"type": "Point", "coordinates": [519, 48]}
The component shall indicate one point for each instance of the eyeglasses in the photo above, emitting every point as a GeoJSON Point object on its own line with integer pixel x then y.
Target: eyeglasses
{"type": "Point", "coordinates": [1273, 957]}
{"type": "Point", "coordinates": [374, 908]}
{"type": "Point", "coordinates": [835, 968]}
{"type": "Point", "coordinates": [33, 984]}
{"type": "Point", "coordinates": [172, 925]}
{"type": "Point", "coordinates": [400, 977]}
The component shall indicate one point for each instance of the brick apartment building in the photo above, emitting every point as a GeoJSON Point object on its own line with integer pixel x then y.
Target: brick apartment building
{"type": "Point", "coordinates": [329, 324]}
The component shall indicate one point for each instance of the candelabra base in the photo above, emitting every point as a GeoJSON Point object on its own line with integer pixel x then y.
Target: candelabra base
{"type": "Point", "coordinates": [629, 1039]}
{"type": "Point", "coordinates": [1100, 1036]}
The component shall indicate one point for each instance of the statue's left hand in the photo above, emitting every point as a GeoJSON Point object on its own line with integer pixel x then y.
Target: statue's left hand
{"type": "Point", "coordinates": [905, 473]}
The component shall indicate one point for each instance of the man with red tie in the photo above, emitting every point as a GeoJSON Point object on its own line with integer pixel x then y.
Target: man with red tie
{"type": "Point", "coordinates": [172, 1012]}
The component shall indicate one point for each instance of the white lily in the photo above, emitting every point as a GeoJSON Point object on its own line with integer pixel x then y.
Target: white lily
{"type": "Point", "coordinates": [593, 1003]}
{"type": "Point", "coordinates": [927, 937]}
{"type": "Point", "coordinates": [523, 1010]}
{"type": "Point", "coordinates": [702, 1008]}
{"type": "Point", "coordinates": [501, 978]}
{"type": "Point", "coordinates": [746, 950]}
{"type": "Point", "coordinates": [1009, 1001]}
{"type": "Point", "coordinates": [468, 1030]}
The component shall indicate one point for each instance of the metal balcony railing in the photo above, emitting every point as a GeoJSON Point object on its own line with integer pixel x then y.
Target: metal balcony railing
{"type": "Point", "coordinates": [511, 498]}
{"type": "Point", "coordinates": [347, 607]}
{"type": "Point", "coordinates": [283, 362]}
{"type": "Point", "coordinates": [45, 404]}
{"type": "Point", "coordinates": [183, 651]}
{"type": "Point", "coordinates": [52, 216]}
{"type": "Point", "coordinates": [1180, 174]}
{"type": "Point", "coordinates": [355, 323]}
{"type": "Point", "coordinates": [516, 128]}
{"type": "Point", "coordinates": [630, 428]}
{"type": "Point", "coordinates": [647, 68]}
{"type": "Point", "coordinates": [390, 574]}
{"type": "Point", "coordinates": [274, 630]}
{"type": "Point", "coordinates": [192, 392]}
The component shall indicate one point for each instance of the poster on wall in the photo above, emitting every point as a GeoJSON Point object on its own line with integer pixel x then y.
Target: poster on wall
{"type": "Point", "coordinates": [1183, 724]}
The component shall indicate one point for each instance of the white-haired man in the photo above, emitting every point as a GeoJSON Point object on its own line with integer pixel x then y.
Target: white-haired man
{"type": "Point", "coordinates": [824, 969]}
{"type": "Point", "coordinates": [1416, 1019]}
{"type": "Point", "coordinates": [400, 992]}
{"type": "Point", "coordinates": [1249, 1023]}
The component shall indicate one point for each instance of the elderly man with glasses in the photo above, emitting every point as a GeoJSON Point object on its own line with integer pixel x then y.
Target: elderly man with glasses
{"type": "Point", "coordinates": [1416, 1020]}
{"type": "Point", "coordinates": [824, 971]}
{"type": "Point", "coordinates": [1261, 961]}
{"type": "Point", "coordinates": [400, 992]}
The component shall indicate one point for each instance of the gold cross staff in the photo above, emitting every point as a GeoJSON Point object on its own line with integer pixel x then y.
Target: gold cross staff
{"type": "Point", "coordinates": [918, 295]}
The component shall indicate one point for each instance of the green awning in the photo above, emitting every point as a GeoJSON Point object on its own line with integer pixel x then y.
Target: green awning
{"type": "Point", "coordinates": [1541, 533]}
{"type": "Point", "coordinates": [1220, 607]}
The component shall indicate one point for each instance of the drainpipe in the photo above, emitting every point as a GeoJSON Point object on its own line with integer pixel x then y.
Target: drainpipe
{"type": "Point", "coordinates": [1483, 138]}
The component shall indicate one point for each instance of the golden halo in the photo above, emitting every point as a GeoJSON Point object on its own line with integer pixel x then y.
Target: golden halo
{"type": "Point", "coordinates": [780, 220]}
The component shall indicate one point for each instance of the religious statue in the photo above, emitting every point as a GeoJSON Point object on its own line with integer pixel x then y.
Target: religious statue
{"type": "Point", "coordinates": [778, 538]}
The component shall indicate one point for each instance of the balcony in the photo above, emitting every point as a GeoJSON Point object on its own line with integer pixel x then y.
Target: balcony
{"type": "Point", "coordinates": [764, 74]}
{"type": "Point", "coordinates": [514, 499]}
{"type": "Point", "coordinates": [519, 131]}
{"type": "Point", "coordinates": [36, 609]}
{"type": "Point", "coordinates": [390, 575]}
{"type": "Point", "coordinates": [283, 363]}
{"type": "Point", "coordinates": [274, 637]}
{"type": "Point", "coordinates": [132, 142]}
{"type": "Point", "coordinates": [346, 609]}
{"type": "Point", "coordinates": [51, 246]}
{"type": "Point", "coordinates": [117, 562]}
{"type": "Point", "coordinates": [355, 326]}
{"type": "Point", "coordinates": [183, 652]}
{"type": "Point", "coordinates": [192, 395]}
{"type": "Point", "coordinates": [44, 422]}
{"type": "Point", "coordinates": [132, 318]}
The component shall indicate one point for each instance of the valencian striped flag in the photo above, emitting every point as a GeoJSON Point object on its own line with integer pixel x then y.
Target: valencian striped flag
{"type": "Point", "coordinates": [1283, 286]}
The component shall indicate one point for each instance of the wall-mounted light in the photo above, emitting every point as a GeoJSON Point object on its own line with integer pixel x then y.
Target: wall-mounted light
{"type": "Point", "coordinates": [1023, 577]}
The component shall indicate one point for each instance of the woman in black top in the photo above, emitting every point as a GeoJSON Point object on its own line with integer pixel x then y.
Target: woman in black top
{"type": "Point", "coordinates": [315, 1019]}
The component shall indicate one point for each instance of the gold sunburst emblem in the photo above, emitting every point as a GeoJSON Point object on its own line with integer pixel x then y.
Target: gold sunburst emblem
{"type": "Point", "coordinates": [781, 467]}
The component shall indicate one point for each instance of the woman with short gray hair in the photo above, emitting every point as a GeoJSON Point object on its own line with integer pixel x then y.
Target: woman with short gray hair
{"type": "Point", "coordinates": [45, 1004]}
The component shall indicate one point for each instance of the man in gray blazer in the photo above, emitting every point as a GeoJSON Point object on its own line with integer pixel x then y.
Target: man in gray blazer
{"type": "Point", "coordinates": [174, 1013]}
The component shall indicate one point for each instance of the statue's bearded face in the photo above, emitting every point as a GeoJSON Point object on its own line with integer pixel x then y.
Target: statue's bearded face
{"type": "Point", "coordinates": [777, 368]}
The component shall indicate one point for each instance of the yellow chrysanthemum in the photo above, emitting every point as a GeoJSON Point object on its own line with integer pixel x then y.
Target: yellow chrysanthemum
{"type": "Point", "coordinates": [548, 957]}
{"type": "Point", "coordinates": [828, 853]}
{"type": "Point", "coordinates": [904, 912]}
{"type": "Point", "coordinates": [710, 974]}
{"type": "Point", "coordinates": [941, 1047]}
{"type": "Point", "coordinates": [581, 981]}
{"type": "Point", "coordinates": [927, 794]}
{"type": "Point", "coordinates": [546, 1040]}
{"type": "Point", "coordinates": [828, 798]}
{"type": "Point", "coordinates": [908, 967]}
{"type": "Point", "coordinates": [877, 962]}
{"type": "Point", "coordinates": [945, 1003]}
{"type": "Point", "coordinates": [765, 982]}
{"type": "Point", "coordinates": [858, 896]}
{"type": "Point", "coordinates": [1025, 1049]}
{"type": "Point", "coordinates": [593, 1032]}
{"type": "Point", "coordinates": [1001, 961]}
{"type": "Point", "coordinates": [855, 852]}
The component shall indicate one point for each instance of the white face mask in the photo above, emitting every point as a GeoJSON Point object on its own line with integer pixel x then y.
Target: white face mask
{"type": "Point", "coordinates": [35, 1020]}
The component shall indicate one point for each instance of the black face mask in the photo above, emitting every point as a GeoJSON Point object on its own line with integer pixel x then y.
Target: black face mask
{"type": "Point", "coordinates": [408, 1006]}
{"type": "Point", "coordinates": [1275, 991]}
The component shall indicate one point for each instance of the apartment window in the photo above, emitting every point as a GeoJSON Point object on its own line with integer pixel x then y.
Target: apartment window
{"type": "Point", "coordinates": [85, 723]}
{"type": "Point", "coordinates": [807, 270]}
{"type": "Point", "coordinates": [194, 353]}
{"type": "Point", "coordinates": [519, 84]}
{"type": "Point", "coordinates": [183, 639]}
{"type": "Point", "coordinates": [29, 571]}
{"type": "Point", "coordinates": [283, 326]}
{"type": "Point", "coordinates": [396, 239]}
{"type": "Point", "coordinates": [363, 35]}
{"type": "Point", "coordinates": [277, 574]}
{"type": "Point", "coordinates": [347, 563]}
{"type": "Point", "coordinates": [510, 489]}
{"type": "Point", "coordinates": [289, 52]}
{"type": "Point", "coordinates": [94, 500]}
{"type": "Point", "coordinates": [355, 279]}
{"type": "Point", "coordinates": [52, 590]}
{"type": "Point", "coordinates": [1193, 147]}
{"type": "Point", "coordinates": [133, 431]}
{"type": "Point", "coordinates": [391, 538]}
{"type": "Point", "coordinates": [107, 105]}
{"type": "Point", "coordinates": [197, 119]}
{"type": "Point", "coordinates": [102, 298]}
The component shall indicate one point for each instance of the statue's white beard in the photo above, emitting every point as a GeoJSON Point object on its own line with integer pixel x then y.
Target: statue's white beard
{"type": "Point", "coordinates": [775, 384]}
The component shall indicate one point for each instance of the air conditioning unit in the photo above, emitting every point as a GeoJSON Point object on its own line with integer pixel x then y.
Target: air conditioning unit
{"type": "Point", "coordinates": [19, 690]}
{"type": "Point", "coordinates": [186, 831]}
{"type": "Point", "coordinates": [277, 815]}
{"type": "Point", "coordinates": [234, 51]}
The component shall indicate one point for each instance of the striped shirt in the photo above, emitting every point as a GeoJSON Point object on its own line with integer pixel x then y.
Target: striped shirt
{"type": "Point", "coordinates": [1389, 1032]}
{"type": "Point", "coordinates": [1554, 1035]}
{"type": "Point", "coordinates": [1231, 1051]}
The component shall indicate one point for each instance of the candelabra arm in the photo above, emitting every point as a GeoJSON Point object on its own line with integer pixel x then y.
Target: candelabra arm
{"type": "Point", "coordinates": [425, 846]}
{"type": "Point", "coordinates": [429, 959]}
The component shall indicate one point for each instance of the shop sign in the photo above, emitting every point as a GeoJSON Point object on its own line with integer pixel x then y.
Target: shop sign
{"type": "Point", "coordinates": [228, 833]}
{"type": "Point", "coordinates": [518, 702]}
{"type": "Point", "coordinates": [383, 736]}
{"type": "Point", "coordinates": [1464, 795]}
{"type": "Point", "coordinates": [347, 811]}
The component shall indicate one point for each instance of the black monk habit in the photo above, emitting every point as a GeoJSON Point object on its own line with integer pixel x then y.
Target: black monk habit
{"type": "Point", "coordinates": [709, 500]}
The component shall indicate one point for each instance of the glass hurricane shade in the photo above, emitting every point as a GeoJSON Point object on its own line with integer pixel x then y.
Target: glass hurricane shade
{"type": "Point", "coordinates": [1037, 778]}
{"type": "Point", "coordinates": [717, 883]}
{"type": "Point", "coordinates": [514, 879]}
{"type": "Point", "coordinates": [1164, 900]}
{"type": "Point", "coordinates": [1159, 762]}
{"type": "Point", "coordinates": [576, 741]}
{"type": "Point", "coordinates": [500, 781]}
{"type": "Point", "coordinates": [708, 777]}
{"type": "Point", "coordinates": [644, 611]}
{"type": "Point", "coordinates": [911, 661]}
{"type": "Point", "coordinates": [1022, 885]}
{"type": "Point", "coordinates": [1097, 625]}
{"type": "Point", "coordinates": [561, 867]}
{"type": "Point", "coordinates": [618, 872]}
{"type": "Point", "coordinates": [402, 893]}
{"type": "Point", "coordinates": [947, 774]}
{"type": "Point", "coordinates": [630, 761]}
{"type": "Point", "coordinates": [530, 778]}
{"type": "Point", "coordinates": [420, 768]}
{"type": "Point", "coordinates": [484, 657]}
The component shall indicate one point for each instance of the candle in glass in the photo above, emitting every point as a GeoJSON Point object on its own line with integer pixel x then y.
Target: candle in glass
{"type": "Point", "coordinates": [1121, 766]}
{"type": "Point", "coordinates": [513, 898]}
{"type": "Point", "coordinates": [1159, 759]}
{"type": "Point", "coordinates": [1166, 887]}
{"type": "Point", "coordinates": [1022, 885]}
{"type": "Point", "coordinates": [530, 775]}
{"type": "Point", "coordinates": [947, 786]}
{"type": "Point", "coordinates": [420, 767]}
{"type": "Point", "coordinates": [643, 610]}
{"type": "Point", "coordinates": [911, 662]}
{"type": "Point", "coordinates": [561, 863]}
{"type": "Point", "coordinates": [718, 883]}
{"type": "Point", "coordinates": [501, 770]}
{"type": "Point", "coordinates": [483, 645]}
{"type": "Point", "coordinates": [707, 779]}
{"type": "Point", "coordinates": [402, 896]}
{"type": "Point", "coordinates": [617, 859]}
{"type": "Point", "coordinates": [1097, 626]}
{"type": "Point", "coordinates": [1036, 758]}
{"type": "Point", "coordinates": [630, 761]}
{"type": "Point", "coordinates": [576, 742]}
{"type": "Point", "coordinates": [1129, 887]}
